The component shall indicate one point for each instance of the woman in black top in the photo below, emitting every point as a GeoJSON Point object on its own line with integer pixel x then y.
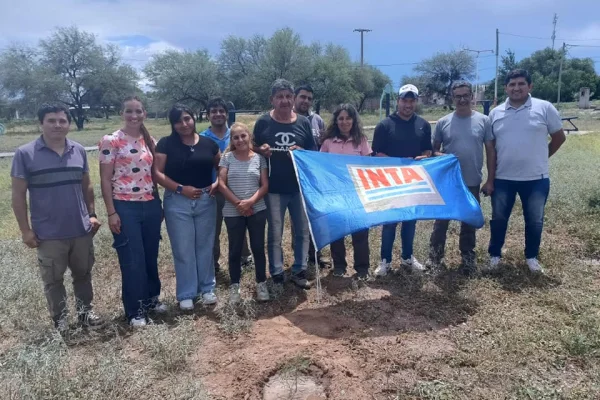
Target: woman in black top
{"type": "Point", "coordinates": [184, 165]}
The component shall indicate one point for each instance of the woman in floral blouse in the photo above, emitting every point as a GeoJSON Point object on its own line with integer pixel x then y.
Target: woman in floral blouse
{"type": "Point", "coordinates": [134, 210]}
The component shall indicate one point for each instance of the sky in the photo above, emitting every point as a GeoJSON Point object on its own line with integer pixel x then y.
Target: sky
{"type": "Point", "coordinates": [403, 32]}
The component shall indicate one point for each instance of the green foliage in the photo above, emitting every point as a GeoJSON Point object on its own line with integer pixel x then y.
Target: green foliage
{"type": "Point", "coordinates": [188, 77]}
{"type": "Point", "coordinates": [68, 67]}
{"type": "Point", "coordinates": [436, 75]}
{"type": "Point", "coordinates": [544, 67]}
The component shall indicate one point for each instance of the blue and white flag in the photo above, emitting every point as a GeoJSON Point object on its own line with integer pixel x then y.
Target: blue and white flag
{"type": "Point", "coordinates": [345, 194]}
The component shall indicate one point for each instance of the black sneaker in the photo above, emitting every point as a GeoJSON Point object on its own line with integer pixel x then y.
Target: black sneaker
{"type": "Point", "coordinates": [361, 276]}
{"type": "Point", "coordinates": [300, 280]}
{"type": "Point", "coordinates": [468, 268]}
{"type": "Point", "coordinates": [339, 272]}
{"type": "Point", "coordinates": [278, 279]}
{"type": "Point", "coordinates": [90, 319]}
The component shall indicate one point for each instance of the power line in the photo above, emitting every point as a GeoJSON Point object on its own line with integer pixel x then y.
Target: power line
{"type": "Point", "coordinates": [548, 38]}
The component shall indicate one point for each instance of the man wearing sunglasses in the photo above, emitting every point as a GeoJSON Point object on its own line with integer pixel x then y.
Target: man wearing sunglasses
{"type": "Point", "coordinates": [464, 133]}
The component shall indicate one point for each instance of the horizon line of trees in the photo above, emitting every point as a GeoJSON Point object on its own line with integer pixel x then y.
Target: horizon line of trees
{"type": "Point", "coordinates": [72, 68]}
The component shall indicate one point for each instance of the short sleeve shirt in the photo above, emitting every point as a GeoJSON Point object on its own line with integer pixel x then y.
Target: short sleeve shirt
{"type": "Point", "coordinates": [243, 179]}
{"type": "Point", "coordinates": [189, 165]}
{"type": "Point", "coordinates": [464, 137]}
{"type": "Point", "coordinates": [56, 201]}
{"type": "Point", "coordinates": [522, 138]}
{"type": "Point", "coordinates": [280, 137]}
{"type": "Point", "coordinates": [339, 146]}
{"type": "Point", "coordinates": [397, 137]}
{"type": "Point", "coordinates": [132, 160]}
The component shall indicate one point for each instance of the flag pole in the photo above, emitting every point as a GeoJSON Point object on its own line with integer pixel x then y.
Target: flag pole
{"type": "Point", "coordinates": [311, 236]}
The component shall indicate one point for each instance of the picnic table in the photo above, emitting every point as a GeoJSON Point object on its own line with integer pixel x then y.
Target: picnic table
{"type": "Point", "coordinates": [574, 127]}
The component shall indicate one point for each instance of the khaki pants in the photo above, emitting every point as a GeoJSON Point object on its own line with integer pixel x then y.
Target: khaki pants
{"type": "Point", "coordinates": [54, 257]}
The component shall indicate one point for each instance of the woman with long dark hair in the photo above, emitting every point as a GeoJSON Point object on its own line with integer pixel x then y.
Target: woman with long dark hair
{"type": "Point", "coordinates": [134, 210]}
{"type": "Point", "coordinates": [184, 166]}
{"type": "Point", "coordinates": [344, 135]}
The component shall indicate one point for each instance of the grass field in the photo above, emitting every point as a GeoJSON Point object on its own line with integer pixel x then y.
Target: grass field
{"type": "Point", "coordinates": [506, 336]}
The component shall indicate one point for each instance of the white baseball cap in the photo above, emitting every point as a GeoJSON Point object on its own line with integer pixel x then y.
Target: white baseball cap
{"type": "Point", "coordinates": [408, 89]}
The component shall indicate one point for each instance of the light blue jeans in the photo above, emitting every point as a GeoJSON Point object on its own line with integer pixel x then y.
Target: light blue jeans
{"type": "Point", "coordinates": [191, 227]}
{"type": "Point", "coordinates": [277, 204]}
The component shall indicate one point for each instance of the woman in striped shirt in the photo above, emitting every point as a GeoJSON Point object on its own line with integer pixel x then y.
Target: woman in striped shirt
{"type": "Point", "coordinates": [244, 181]}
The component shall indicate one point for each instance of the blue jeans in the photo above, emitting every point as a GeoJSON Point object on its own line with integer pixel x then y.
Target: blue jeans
{"type": "Point", "coordinates": [533, 195]}
{"type": "Point", "coordinates": [191, 227]}
{"type": "Point", "coordinates": [137, 249]}
{"type": "Point", "coordinates": [407, 235]}
{"type": "Point", "coordinates": [276, 206]}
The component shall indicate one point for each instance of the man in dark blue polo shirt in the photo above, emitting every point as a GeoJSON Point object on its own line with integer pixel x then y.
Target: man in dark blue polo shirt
{"type": "Point", "coordinates": [55, 171]}
{"type": "Point", "coordinates": [402, 134]}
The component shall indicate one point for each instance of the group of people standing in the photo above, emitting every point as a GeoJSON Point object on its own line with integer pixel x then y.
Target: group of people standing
{"type": "Point", "coordinates": [247, 179]}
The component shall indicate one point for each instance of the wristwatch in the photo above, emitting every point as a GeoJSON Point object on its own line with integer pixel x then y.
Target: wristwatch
{"type": "Point", "coordinates": [179, 189]}
{"type": "Point", "coordinates": [92, 215]}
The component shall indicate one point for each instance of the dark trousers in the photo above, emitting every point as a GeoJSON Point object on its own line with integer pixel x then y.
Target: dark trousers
{"type": "Point", "coordinates": [236, 232]}
{"type": "Point", "coordinates": [137, 249]}
{"type": "Point", "coordinates": [217, 244]}
{"type": "Point", "coordinates": [533, 195]}
{"type": "Point", "coordinates": [360, 243]}
{"type": "Point", "coordinates": [466, 244]}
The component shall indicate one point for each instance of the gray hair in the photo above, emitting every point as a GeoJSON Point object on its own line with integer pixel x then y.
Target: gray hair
{"type": "Point", "coordinates": [280, 85]}
{"type": "Point", "coordinates": [459, 84]}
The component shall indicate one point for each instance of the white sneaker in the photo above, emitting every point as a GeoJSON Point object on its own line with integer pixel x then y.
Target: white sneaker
{"type": "Point", "coordinates": [412, 264]}
{"type": "Point", "coordinates": [138, 322]}
{"type": "Point", "coordinates": [159, 308]}
{"type": "Point", "coordinates": [234, 293]}
{"type": "Point", "coordinates": [383, 268]}
{"type": "Point", "coordinates": [534, 266]}
{"type": "Point", "coordinates": [186, 305]}
{"type": "Point", "coordinates": [492, 264]}
{"type": "Point", "coordinates": [262, 292]}
{"type": "Point", "coordinates": [209, 298]}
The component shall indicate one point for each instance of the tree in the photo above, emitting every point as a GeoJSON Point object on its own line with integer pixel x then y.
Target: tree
{"type": "Point", "coordinates": [368, 82]}
{"type": "Point", "coordinates": [74, 57]}
{"type": "Point", "coordinates": [188, 77]}
{"type": "Point", "coordinates": [331, 78]}
{"type": "Point", "coordinates": [544, 66]}
{"type": "Point", "coordinates": [439, 72]}
{"type": "Point", "coordinates": [508, 62]}
{"type": "Point", "coordinates": [68, 67]}
{"type": "Point", "coordinates": [24, 80]}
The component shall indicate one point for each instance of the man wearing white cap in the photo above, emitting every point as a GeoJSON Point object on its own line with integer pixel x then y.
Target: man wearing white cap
{"type": "Point", "coordinates": [402, 134]}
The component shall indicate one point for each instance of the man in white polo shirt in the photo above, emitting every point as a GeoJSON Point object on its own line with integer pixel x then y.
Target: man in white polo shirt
{"type": "Point", "coordinates": [521, 126]}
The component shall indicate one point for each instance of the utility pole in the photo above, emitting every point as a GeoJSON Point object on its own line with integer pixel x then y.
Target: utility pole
{"type": "Point", "coordinates": [477, 67]}
{"type": "Point", "coordinates": [562, 59]}
{"type": "Point", "coordinates": [554, 30]}
{"type": "Point", "coordinates": [497, 55]}
{"type": "Point", "coordinates": [362, 31]}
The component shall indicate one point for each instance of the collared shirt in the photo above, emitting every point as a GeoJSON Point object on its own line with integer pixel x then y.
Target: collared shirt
{"type": "Point", "coordinates": [339, 146]}
{"type": "Point", "coordinates": [222, 142]}
{"type": "Point", "coordinates": [464, 137]}
{"type": "Point", "coordinates": [56, 200]}
{"type": "Point", "coordinates": [522, 138]}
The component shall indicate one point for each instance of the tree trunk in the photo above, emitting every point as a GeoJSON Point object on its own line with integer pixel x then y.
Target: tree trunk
{"type": "Point", "coordinates": [80, 118]}
{"type": "Point", "coordinates": [361, 103]}
{"type": "Point", "coordinates": [106, 112]}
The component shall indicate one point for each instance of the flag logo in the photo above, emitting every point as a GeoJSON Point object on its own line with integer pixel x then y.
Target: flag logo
{"type": "Point", "coordinates": [386, 187]}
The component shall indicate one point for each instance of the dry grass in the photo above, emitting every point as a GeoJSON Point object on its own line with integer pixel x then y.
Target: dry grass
{"type": "Point", "coordinates": [507, 336]}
